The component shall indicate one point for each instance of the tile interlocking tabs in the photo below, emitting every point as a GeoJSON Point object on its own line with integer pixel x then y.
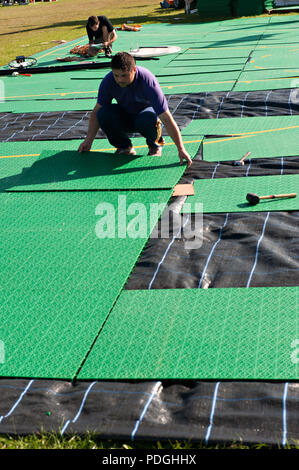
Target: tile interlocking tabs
{"type": "Point", "coordinates": [199, 334]}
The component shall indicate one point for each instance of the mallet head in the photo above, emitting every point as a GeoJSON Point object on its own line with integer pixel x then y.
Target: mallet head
{"type": "Point", "coordinates": [252, 198]}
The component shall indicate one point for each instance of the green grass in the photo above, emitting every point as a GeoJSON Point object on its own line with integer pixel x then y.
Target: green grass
{"type": "Point", "coordinates": [90, 441]}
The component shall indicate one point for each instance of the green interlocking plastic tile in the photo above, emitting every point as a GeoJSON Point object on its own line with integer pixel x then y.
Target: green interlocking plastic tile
{"type": "Point", "coordinates": [50, 105]}
{"type": "Point", "coordinates": [40, 87]}
{"type": "Point", "coordinates": [281, 40]}
{"type": "Point", "coordinates": [65, 258]}
{"type": "Point", "coordinates": [227, 42]}
{"type": "Point", "coordinates": [273, 60]}
{"type": "Point", "coordinates": [264, 74]}
{"type": "Point", "coordinates": [21, 149]}
{"type": "Point", "coordinates": [259, 20]}
{"type": "Point", "coordinates": [52, 92]}
{"type": "Point", "coordinates": [10, 168]}
{"type": "Point", "coordinates": [218, 53]}
{"type": "Point", "coordinates": [216, 334]}
{"type": "Point", "coordinates": [281, 144]}
{"type": "Point", "coordinates": [69, 170]}
{"type": "Point", "coordinates": [249, 82]}
{"type": "Point", "coordinates": [229, 194]}
{"type": "Point", "coordinates": [200, 79]}
{"type": "Point", "coordinates": [191, 61]}
{"type": "Point", "coordinates": [241, 127]}
{"type": "Point", "coordinates": [16, 157]}
{"type": "Point", "coordinates": [198, 69]}
{"type": "Point", "coordinates": [198, 86]}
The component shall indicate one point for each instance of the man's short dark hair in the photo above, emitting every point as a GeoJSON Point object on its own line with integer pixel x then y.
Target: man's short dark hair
{"type": "Point", "coordinates": [92, 20]}
{"type": "Point", "coordinates": [123, 61]}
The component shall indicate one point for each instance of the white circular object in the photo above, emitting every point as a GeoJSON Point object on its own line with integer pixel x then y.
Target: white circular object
{"type": "Point", "coordinates": [14, 74]}
{"type": "Point", "coordinates": [146, 52]}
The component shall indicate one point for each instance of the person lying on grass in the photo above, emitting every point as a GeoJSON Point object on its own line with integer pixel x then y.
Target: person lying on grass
{"type": "Point", "coordinates": [140, 107]}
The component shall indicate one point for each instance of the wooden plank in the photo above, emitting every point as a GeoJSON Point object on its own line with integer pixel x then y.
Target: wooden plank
{"type": "Point", "coordinates": [183, 190]}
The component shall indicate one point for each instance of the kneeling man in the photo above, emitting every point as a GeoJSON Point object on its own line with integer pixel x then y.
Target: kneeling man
{"type": "Point", "coordinates": [140, 107]}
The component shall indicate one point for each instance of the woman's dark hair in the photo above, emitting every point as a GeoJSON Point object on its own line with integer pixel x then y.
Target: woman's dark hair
{"type": "Point", "coordinates": [123, 61]}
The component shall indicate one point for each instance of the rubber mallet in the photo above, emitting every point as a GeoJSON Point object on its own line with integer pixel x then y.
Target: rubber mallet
{"type": "Point", "coordinates": [241, 162]}
{"type": "Point", "coordinates": [254, 199]}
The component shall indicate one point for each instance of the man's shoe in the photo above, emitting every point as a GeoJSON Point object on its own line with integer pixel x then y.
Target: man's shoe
{"type": "Point", "coordinates": [127, 151]}
{"type": "Point", "coordinates": [155, 151]}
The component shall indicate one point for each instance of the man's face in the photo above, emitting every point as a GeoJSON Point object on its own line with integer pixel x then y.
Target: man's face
{"type": "Point", "coordinates": [124, 77]}
{"type": "Point", "coordinates": [95, 27]}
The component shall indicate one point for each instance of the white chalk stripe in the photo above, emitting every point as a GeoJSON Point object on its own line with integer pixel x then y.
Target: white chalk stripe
{"type": "Point", "coordinates": [208, 433]}
{"type": "Point", "coordinates": [13, 122]}
{"type": "Point", "coordinates": [221, 104]}
{"type": "Point", "coordinates": [290, 102]}
{"type": "Point", "coordinates": [215, 169]}
{"type": "Point", "coordinates": [17, 402]}
{"type": "Point", "coordinates": [138, 422]}
{"type": "Point", "coordinates": [165, 254]}
{"type": "Point", "coordinates": [266, 100]}
{"type": "Point", "coordinates": [243, 103]}
{"type": "Point", "coordinates": [248, 168]}
{"type": "Point", "coordinates": [212, 251]}
{"type": "Point", "coordinates": [282, 162]}
{"type": "Point", "coordinates": [284, 415]}
{"type": "Point", "coordinates": [74, 125]}
{"type": "Point", "coordinates": [50, 125]}
{"type": "Point", "coordinates": [80, 409]}
{"type": "Point", "coordinates": [257, 250]}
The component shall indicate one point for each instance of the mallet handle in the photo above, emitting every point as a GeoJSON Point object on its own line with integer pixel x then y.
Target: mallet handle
{"type": "Point", "coordinates": [274, 196]}
{"type": "Point", "coordinates": [245, 156]}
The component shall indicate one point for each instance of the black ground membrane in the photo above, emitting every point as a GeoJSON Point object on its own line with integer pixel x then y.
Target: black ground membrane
{"type": "Point", "coordinates": [68, 125]}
